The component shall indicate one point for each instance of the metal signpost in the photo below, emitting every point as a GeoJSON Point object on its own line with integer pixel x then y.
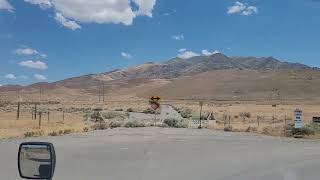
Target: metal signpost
{"type": "Point", "coordinates": [154, 103]}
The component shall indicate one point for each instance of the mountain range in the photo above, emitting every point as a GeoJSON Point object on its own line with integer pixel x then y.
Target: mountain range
{"type": "Point", "coordinates": [212, 77]}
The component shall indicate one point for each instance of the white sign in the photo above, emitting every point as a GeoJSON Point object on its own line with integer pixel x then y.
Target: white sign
{"type": "Point", "coordinates": [297, 118]}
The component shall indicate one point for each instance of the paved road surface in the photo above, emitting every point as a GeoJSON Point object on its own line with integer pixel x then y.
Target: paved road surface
{"type": "Point", "coordinates": [174, 154]}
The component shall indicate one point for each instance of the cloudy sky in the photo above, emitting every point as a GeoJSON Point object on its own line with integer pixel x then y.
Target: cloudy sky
{"type": "Point", "coordinates": [49, 40]}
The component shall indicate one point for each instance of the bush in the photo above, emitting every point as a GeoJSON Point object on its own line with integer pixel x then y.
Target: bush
{"type": "Point", "coordinates": [130, 110]}
{"type": "Point", "coordinates": [120, 109]}
{"type": "Point", "coordinates": [100, 126]}
{"type": "Point", "coordinates": [228, 128]}
{"type": "Point", "coordinates": [245, 115]}
{"type": "Point", "coordinates": [85, 129]}
{"type": "Point", "coordinates": [186, 113]}
{"type": "Point", "coordinates": [163, 125]}
{"type": "Point", "coordinates": [33, 134]}
{"type": "Point", "coordinates": [175, 123]}
{"type": "Point", "coordinates": [115, 115]}
{"type": "Point", "coordinates": [53, 133]}
{"type": "Point", "coordinates": [134, 124]}
{"type": "Point", "coordinates": [115, 124]}
{"type": "Point", "coordinates": [252, 129]}
{"type": "Point", "coordinates": [68, 131]}
{"type": "Point", "coordinates": [148, 111]}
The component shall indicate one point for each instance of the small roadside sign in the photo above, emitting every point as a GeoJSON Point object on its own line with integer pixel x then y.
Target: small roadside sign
{"type": "Point", "coordinates": [155, 98]}
{"type": "Point", "coordinates": [154, 102]}
{"type": "Point", "coordinates": [154, 105]}
{"type": "Point", "coordinates": [298, 118]}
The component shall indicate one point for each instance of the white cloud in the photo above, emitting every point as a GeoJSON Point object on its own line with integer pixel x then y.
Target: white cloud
{"type": "Point", "coordinates": [178, 37]}
{"type": "Point", "coordinates": [26, 51]}
{"type": "Point", "coordinates": [67, 23]}
{"type": "Point", "coordinates": [126, 55]}
{"type": "Point", "coordinates": [34, 64]}
{"type": "Point", "coordinates": [10, 76]}
{"type": "Point", "coordinates": [145, 7]}
{"type": "Point", "coordinates": [187, 54]}
{"type": "Point", "coordinates": [40, 77]}
{"type": "Point", "coordinates": [43, 55]}
{"type": "Point", "coordinates": [208, 53]}
{"type": "Point", "coordinates": [5, 5]}
{"type": "Point", "coordinates": [44, 4]}
{"type": "Point", "coordinates": [241, 8]}
{"type": "Point", "coordinates": [236, 8]}
{"type": "Point", "coordinates": [1, 85]}
{"type": "Point", "coordinates": [250, 10]}
{"type": "Point", "coordinates": [182, 50]}
{"type": "Point", "coordinates": [97, 11]}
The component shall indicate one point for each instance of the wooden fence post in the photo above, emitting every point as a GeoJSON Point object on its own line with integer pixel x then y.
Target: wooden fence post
{"type": "Point", "coordinates": [18, 111]}
{"type": "Point", "coordinates": [48, 116]}
{"type": "Point", "coordinates": [35, 111]}
{"type": "Point", "coordinates": [40, 115]}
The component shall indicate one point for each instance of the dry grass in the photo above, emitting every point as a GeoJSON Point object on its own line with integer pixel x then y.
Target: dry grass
{"type": "Point", "coordinates": [10, 127]}
{"type": "Point", "coordinates": [271, 123]}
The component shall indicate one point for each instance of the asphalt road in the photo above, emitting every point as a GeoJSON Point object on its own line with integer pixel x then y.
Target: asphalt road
{"type": "Point", "coordinates": [174, 154]}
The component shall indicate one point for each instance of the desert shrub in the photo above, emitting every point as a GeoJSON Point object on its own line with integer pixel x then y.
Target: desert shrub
{"type": "Point", "coordinates": [100, 126]}
{"type": "Point", "coordinates": [114, 115]}
{"type": "Point", "coordinates": [186, 113]}
{"type": "Point", "coordinates": [96, 117]}
{"type": "Point", "coordinates": [252, 129]}
{"type": "Point", "coordinates": [114, 124]}
{"type": "Point", "coordinates": [120, 109]}
{"type": "Point", "coordinates": [60, 132]}
{"type": "Point", "coordinates": [228, 128]}
{"type": "Point", "coordinates": [85, 129]}
{"type": "Point", "coordinates": [310, 129]}
{"type": "Point", "coordinates": [175, 123]}
{"type": "Point", "coordinates": [236, 116]}
{"type": "Point", "coordinates": [163, 125]}
{"type": "Point", "coordinates": [68, 131]}
{"type": "Point", "coordinates": [273, 131]}
{"type": "Point", "coordinates": [130, 110]}
{"type": "Point", "coordinates": [53, 133]}
{"type": "Point", "coordinates": [33, 134]}
{"type": "Point", "coordinates": [245, 115]}
{"type": "Point", "coordinates": [148, 111]}
{"type": "Point", "coordinates": [134, 124]}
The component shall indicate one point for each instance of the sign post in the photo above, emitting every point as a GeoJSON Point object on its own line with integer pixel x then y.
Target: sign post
{"type": "Point", "coordinates": [200, 122]}
{"type": "Point", "coordinates": [154, 103]}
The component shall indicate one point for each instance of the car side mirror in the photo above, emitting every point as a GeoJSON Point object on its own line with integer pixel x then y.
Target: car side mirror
{"type": "Point", "coordinates": [36, 160]}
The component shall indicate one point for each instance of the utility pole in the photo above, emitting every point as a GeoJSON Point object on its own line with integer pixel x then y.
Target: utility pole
{"type": "Point", "coordinates": [103, 91]}
{"type": "Point", "coordinates": [18, 111]}
{"type": "Point", "coordinates": [201, 104]}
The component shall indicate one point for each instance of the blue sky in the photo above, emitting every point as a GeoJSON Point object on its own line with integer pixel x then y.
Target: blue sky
{"type": "Point", "coordinates": [49, 40]}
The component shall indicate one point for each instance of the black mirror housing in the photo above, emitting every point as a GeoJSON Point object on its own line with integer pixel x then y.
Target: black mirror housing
{"type": "Point", "coordinates": [36, 160]}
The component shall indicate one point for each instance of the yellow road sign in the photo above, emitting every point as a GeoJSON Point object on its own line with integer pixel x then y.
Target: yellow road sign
{"type": "Point", "coordinates": [155, 98]}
